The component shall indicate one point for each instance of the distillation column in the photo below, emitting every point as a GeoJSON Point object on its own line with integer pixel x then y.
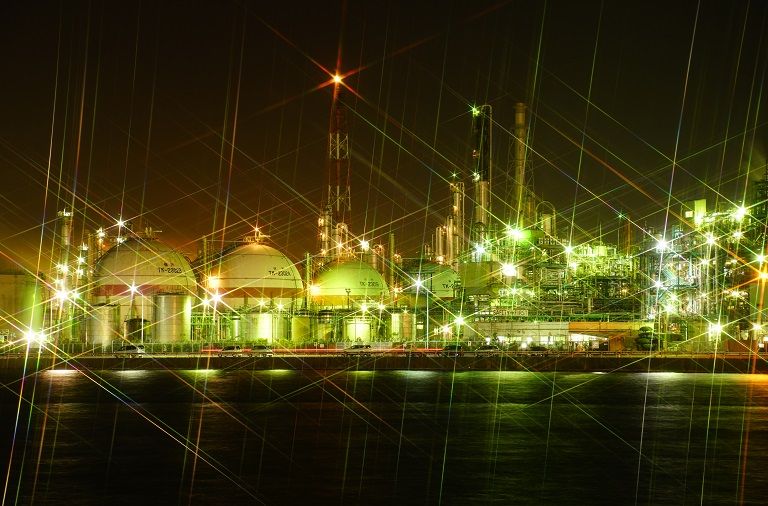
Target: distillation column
{"type": "Point", "coordinates": [481, 175]}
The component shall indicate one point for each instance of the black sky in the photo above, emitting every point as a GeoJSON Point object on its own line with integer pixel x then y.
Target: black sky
{"type": "Point", "coordinates": [207, 118]}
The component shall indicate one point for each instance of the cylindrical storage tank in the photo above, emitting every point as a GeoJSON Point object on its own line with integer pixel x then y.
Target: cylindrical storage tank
{"type": "Point", "coordinates": [440, 244]}
{"type": "Point", "coordinates": [102, 325]}
{"type": "Point", "coordinates": [20, 307]}
{"type": "Point", "coordinates": [173, 318]}
{"type": "Point", "coordinates": [408, 325]}
{"type": "Point", "coordinates": [357, 328]}
{"type": "Point", "coordinates": [325, 326]}
{"type": "Point", "coordinates": [301, 328]}
{"type": "Point", "coordinates": [265, 326]}
{"type": "Point", "coordinates": [280, 326]}
{"type": "Point", "coordinates": [237, 327]}
{"type": "Point", "coordinates": [396, 327]}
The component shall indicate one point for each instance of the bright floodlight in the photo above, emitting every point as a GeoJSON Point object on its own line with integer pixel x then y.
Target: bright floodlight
{"type": "Point", "coordinates": [34, 337]}
{"type": "Point", "coordinates": [364, 307]}
{"type": "Point", "coordinates": [479, 249]}
{"type": "Point", "coordinates": [715, 328]}
{"type": "Point", "coordinates": [568, 249]}
{"type": "Point", "coordinates": [417, 282]}
{"type": "Point", "coordinates": [515, 233]}
{"type": "Point", "coordinates": [757, 327]}
{"type": "Point", "coordinates": [658, 284]}
{"type": "Point", "coordinates": [314, 290]}
{"type": "Point", "coordinates": [761, 258]}
{"type": "Point", "coordinates": [459, 320]}
{"type": "Point", "coordinates": [364, 245]}
{"type": "Point", "coordinates": [120, 223]}
{"type": "Point", "coordinates": [508, 270]}
{"type": "Point", "coordinates": [337, 78]}
{"type": "Point", "coordinates": [739, 213]}
{"type": "Point", "coordinates": [661, 245]}
{"type": "Point", "coordinates": [711, 239]}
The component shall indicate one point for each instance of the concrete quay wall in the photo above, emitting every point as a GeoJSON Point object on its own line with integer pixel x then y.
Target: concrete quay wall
{"type": "Point", "coordinates": [560, 363]}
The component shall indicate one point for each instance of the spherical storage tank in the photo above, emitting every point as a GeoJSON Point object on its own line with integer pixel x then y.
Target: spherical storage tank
{"type": "Point", "coordinates": [142, 280]}
{"type": "Point", "coordinates": [437, 280]}
{"type": "Point", "coordinates": [258, 285]}
{"type": "Point", "coordinates": [356, 286]}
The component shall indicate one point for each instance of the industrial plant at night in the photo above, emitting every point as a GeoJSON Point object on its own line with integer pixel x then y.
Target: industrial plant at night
{"type": "Point", "coordinates": [500, 269]}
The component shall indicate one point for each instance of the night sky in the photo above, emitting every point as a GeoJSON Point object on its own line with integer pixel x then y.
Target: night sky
{"type": "Point", "coordinates": [208, 118]}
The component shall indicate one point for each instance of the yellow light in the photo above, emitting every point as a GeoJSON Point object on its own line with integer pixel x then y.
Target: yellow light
{"type": "Point", "coordinates": [314, 290]}
{"type": "Point", "coordinates": [213, 282]}
{"type": "Point", "coordinates": [364, 245]}
{"type": "Point", "coordinates": [337, 78]}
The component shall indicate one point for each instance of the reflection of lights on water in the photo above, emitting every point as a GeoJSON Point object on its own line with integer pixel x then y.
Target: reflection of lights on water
{"type": "Point", "coordinates": [134, 373]}
{"type": "Point", "coordinates": [280, 372]}
{"type": "Point", "coordinates": [61, 372]}
{"type": "Point", "coordinates": [666, 375]}
{"type": "Point", "coordinates": [416, 374]}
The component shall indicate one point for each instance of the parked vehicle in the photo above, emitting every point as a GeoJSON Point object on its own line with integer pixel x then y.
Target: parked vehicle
{"type": "Point", "coordinates": [359, 349]}
{"type": "Point", "coordinates": [233, 350]}
{"type": "Point", "coordinates": [452, 350]}
{"type": "Point", "coordinates": [261, 350]}
{"type": "Point", "coordinates": [487, 350]}
{"type": "Point", "coordinates": [130, 350]}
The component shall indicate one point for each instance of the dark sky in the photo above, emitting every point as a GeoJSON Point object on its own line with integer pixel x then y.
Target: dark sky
{"type": "Point", "coordinates": [207, 118]}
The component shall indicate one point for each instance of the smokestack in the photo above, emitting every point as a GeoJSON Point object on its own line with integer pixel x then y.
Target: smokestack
{"type": "Point", "coordinates": [521, 134]}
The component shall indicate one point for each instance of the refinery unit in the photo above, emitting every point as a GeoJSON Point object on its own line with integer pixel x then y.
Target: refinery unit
{"type": "Point", "coordinates": [503, 276]}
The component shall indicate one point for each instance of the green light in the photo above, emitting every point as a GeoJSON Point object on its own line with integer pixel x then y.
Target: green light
{"type": "Point", "coordinates": [475, 111]}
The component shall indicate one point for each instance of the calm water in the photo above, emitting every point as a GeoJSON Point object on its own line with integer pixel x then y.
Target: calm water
{"type": "Point", "coordinates": [289, 437]}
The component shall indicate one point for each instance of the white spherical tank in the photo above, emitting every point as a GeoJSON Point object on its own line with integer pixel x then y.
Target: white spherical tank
{"type": "Point", "coordinates": [133, 274]}
{"type": "Point", "coordinates": [255, 275]}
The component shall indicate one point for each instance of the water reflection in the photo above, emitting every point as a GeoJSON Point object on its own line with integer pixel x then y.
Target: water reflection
{"type": "Point", "coordinates": [388, 436]}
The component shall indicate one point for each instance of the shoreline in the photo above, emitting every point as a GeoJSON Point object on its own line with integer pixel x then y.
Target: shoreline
{"type": "Point", "coordinates": [699, 363]}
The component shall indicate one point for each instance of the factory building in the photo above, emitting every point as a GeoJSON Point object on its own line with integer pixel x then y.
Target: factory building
{"type": "Point", "coordinates": [506, 277]}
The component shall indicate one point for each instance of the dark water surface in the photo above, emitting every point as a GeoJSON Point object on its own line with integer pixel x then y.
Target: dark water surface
{"type": "Point", "coordinates": [297, 437]}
